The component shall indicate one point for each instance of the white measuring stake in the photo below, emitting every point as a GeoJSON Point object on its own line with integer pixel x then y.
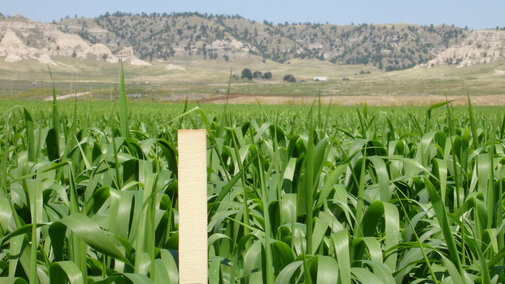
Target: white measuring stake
{"type": "Point", "coordinates": [192, 206]}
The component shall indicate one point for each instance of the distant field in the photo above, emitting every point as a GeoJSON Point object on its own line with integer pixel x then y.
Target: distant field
{"type": "Point", "coordinates": [206, 80]}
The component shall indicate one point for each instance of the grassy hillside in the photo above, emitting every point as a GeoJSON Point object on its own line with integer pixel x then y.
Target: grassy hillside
{"type": "Point", "coordinates": [162, 36]}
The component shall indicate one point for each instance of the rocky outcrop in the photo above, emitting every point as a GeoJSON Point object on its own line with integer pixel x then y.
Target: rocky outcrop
{"type": "Point", "coordinates": [127, 56]}
{"type": "Point", "coordinates": [15, 50]}
{"type": "Point", "coordinates": [23, 39]}
{"type": "Point", "coordinates": [481, 47]}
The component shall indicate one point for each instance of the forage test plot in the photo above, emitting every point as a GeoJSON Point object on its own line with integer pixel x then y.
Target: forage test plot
{"type": "Point", "coordinates": [306, 194]}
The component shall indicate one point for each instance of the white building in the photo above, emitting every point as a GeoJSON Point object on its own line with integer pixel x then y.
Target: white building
{"type": "Point", "coordinates": [317, 78]}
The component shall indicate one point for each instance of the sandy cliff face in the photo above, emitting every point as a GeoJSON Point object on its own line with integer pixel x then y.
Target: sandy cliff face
{"type": "Point", "coordinates": [23, 39]}
{"type": "Point", "coordinates": [15, 50]}
{"type": "Point", "coordinates": [481, 47]}
{"type": "Point", "coordinates": [237, 47]}
{"type": "Point", "coordinates": [127, 56]}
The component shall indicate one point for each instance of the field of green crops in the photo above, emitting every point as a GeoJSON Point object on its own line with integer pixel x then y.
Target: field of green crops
{"type": "Point", "coordinates": [315, 194]}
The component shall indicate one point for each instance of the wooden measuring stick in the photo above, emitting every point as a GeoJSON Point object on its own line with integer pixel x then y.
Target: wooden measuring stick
{"type": "Point", "coordinates": [192, 206]}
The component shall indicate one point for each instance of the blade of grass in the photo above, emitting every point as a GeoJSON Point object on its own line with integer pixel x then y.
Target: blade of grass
{"type": "Point", "coordinates": [309, 179]}
{"type": "Point", "coordinates": [443, 220]}
{"type": "Point", "coordinates": [268, 250]}
{"type": "Point", "coordinates": [473, 127]}
{"type": "Point", "coordinates": [56, 119]}
{"type": "Point", "coordinates": [123, 111]}
{"type": "Point", "coordinates": [30, 137]}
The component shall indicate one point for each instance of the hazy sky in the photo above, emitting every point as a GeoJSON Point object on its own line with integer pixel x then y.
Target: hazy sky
{"type": "Point", "coordinates": [474, 14]}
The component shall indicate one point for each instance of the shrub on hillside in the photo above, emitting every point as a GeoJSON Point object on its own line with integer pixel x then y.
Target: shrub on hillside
{"type": "Point", "coordinates": [289, 78]}
{"type": "Point", "coordinates": [257, 75]}
{"type": "Point", "coordinates": [247, 74]}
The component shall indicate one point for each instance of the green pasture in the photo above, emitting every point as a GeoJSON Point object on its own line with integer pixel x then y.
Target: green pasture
{"type": "Point", "coordinates": [30, 79]}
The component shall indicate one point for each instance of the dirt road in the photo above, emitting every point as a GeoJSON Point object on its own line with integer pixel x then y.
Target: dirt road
{"type": "Point", "coordinates": [68, 96]}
